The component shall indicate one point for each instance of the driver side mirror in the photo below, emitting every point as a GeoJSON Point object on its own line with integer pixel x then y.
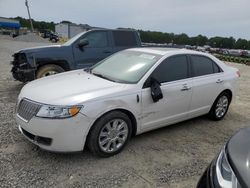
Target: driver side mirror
{"type": "Point", "coordinates": [82, 43]}
{"type": "Point", "coordinates": [156, 92]}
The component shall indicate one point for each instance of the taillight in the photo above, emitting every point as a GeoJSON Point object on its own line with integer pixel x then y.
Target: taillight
{"type": "Point", "coordinates": [238, 73]}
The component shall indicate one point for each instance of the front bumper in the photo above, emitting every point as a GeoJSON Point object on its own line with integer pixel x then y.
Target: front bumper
{"type": "Point", "coordinates": [208, 179]}
{"type": "Point", "coordinates": [23, 75]}
{"type": "Point", "coordinates": [22, 69]}
{"type": "Point", "coordinates": [58, 135]}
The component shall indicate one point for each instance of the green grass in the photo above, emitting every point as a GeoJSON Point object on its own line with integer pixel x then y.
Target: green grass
{"type": "Point", "coordinates": [240, 60]}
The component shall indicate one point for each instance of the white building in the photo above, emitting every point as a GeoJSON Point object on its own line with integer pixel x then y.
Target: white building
{"type": "Point", "coordinates": [68, 30]}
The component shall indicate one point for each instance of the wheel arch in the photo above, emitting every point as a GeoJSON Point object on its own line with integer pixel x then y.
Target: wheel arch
{"type": "Point", "coordinates": [62, 63]}
{"type": "Point", "coordinates": [229, 92]}
{"type": "Point", "coordinates": [211, 111]}
{"type": "Point", "coordinates": [125, 111]}
{"type": "Point", "coordinates": [225, 90]}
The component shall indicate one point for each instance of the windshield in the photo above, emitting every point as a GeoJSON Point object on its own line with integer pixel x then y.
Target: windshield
{"type": "Point", "coordinates": [126, 66]}
{"type": "Point", "coordinates": [73, 39]}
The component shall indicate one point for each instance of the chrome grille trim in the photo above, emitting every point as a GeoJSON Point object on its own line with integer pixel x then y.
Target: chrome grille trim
{"type": "Point", "coordinates": [27, 109]}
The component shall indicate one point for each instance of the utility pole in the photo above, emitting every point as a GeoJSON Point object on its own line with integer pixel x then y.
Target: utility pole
{"type": "Point", "coordinates": [31, 24]}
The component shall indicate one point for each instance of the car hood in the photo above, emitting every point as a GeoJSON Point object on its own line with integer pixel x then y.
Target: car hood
{"type": "Point", "coordinates": [70, 88]}
{"type": "Point", "coordinates": [40, 49]}
{"type": "Point", "coordinates": [238, 149]}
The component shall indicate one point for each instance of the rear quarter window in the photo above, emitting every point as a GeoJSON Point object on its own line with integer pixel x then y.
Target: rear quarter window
{"type": "Point", "coordinates": [124, 38]}
{"type": "Point", "coordinates": [217, 69]}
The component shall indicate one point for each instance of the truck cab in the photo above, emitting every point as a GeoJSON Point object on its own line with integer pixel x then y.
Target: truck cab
{"type": "Point", "coordinates": [82, 51]}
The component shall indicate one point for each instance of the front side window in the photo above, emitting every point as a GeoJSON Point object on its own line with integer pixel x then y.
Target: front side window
{"type": "Point", "coordinates": [202, 65]}
{"type": "Point", "coordinates": [126, 66]}
{"type": "Point", "coordinates": [172, 69]}
{"type": "Point", "coordinates": [73, 39]}
{"type": "Point", "coordinates": [97, 39]}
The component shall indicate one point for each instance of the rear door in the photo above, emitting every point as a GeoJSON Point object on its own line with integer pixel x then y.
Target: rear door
{"type": "Point", "coordinates": [207, 84]}
{"type": "Point", "coordinates": [99, 47]}
{"type": "Point", "coordinates": [124, 39]}
{"type": "Point", "coordinates": [176, 86]}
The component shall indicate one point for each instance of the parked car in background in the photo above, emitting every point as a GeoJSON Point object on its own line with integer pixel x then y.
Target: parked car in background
{"type": "Point", "coordinates": [230, 169]}
{"type": "Point", "coordinates": [45, 33]}
{"type": "Point", "coordinates": [236, 53]}
{"type": "Point", "coordinates": [225, 52]}
{"type": "Point", "coordinates": [201, 49]}
{"type": "Point", "coordinates": [128, 93]}
{"type": "Point", "coordinates": [244, 53]}
{"type": "Point", "coordinates": [81, 51]}
{"type": "Point", "coordinates": [190, 47]}
{"type": "Point", "coordinates": [54, 37]}
{"type": "Point", "coordinates": [207, 48]}
{"type": "Point", "coordinates": [214, 50]}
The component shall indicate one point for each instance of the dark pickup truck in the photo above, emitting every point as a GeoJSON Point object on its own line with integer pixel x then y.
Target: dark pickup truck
{"type": "Point", "coordinates": [81, 51]}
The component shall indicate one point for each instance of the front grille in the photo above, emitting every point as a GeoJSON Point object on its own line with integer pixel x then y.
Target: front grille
{"type": "Point", "coordinates": [27, 109]}
{"type": "Point", "coordinates": [20, 60]}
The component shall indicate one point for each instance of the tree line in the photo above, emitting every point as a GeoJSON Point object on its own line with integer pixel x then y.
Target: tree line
{"type": "Point", "coordinates": [39, 25]}
{"type": "Point", "coordinates": [200, 40]}
{"type": "Point", "coordinates": [161, 37]}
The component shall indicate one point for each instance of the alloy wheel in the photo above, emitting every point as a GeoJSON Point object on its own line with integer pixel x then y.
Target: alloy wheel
{"type": "Point", "coordinates": [221, 106]}
{"type": "Point", "coordinates": [113, 135]}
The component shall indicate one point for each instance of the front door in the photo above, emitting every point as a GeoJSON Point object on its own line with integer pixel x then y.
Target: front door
{"type": "Point", "coordinates": [176, 86]}
{"type": "Point", "coordinates": [98, 48]}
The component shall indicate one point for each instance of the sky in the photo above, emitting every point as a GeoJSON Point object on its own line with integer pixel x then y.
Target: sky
{"type": "Point", "coordinates": [207, 17]}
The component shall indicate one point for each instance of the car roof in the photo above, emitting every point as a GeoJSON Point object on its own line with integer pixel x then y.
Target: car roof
{"type": "Point", "coordinates": [106, 29]}
{"type": "Point", "coordinates": [165, 51]}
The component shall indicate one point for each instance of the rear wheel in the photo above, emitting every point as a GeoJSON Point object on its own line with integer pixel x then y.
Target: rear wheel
{"type": "Point", "coordinates": [110, 134]}
{"type": "Point", "coordinates": [48, 70]}
{"type": "Point", "coordinates": [220, 106]}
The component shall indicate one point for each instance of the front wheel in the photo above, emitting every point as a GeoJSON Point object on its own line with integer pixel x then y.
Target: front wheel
{"type": "Point", "coordinates": [48, 70]}
{"type": "Point", "coordinates": [220, 107]}
{"type": "Point", "coordinates": [110, 134]}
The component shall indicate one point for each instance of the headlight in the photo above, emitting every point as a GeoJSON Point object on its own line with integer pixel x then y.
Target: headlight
{"type": "Point", "coordinates": [224, 173]}
{"type": "Point", "coordinates": [47, 111]}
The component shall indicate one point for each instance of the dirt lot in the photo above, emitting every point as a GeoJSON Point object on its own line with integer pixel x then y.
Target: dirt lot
{"type": "Point", "coordinates": [174, 156]}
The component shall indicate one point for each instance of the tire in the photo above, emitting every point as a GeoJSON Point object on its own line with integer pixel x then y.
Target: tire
{"type": "Point", "coordinates": [102, 140]}
{"type": "Point", "coordinates": [48, 70]}
{"type": "Point", "coordinates": [220, 107]}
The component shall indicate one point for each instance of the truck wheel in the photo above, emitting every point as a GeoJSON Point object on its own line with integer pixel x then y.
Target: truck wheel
{"type": "Point", "coordinates": [110, 134]}
{"type": "Point", "coordinates": [48, 70]}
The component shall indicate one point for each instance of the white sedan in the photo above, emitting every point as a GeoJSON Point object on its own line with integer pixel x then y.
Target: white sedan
{"type": "Point", "coordinates": [131, 92]}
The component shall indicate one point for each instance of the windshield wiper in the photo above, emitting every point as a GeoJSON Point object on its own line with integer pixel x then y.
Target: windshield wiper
{"type": "Point", "coordinates": [108, 78]}
{"type": "Point", "coordinates": [88, 70]}
{"type": "Point", "coordinates": [102, 76]}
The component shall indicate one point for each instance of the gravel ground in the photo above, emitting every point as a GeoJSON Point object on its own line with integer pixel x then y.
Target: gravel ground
{"type": "Point", "coordinates": [30, 37]}
{"type": "Point", "coordinates": [174, 156]}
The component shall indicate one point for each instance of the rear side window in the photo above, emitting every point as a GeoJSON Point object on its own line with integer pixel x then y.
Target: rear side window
{"type": "Point", "coordinates": [172, 69]}
{"type": "Point", "coordinates": [124, 38]}
{"type": "Point", "coordinates": [201, 65]}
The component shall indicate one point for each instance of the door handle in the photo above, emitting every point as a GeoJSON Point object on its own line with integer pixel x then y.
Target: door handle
{"type": "Point", "coordinates": [219, 81]}
{"type": "Point", "coordinates": [185, 88]}
{"type": "Point", "coordinates": [107, 52]}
